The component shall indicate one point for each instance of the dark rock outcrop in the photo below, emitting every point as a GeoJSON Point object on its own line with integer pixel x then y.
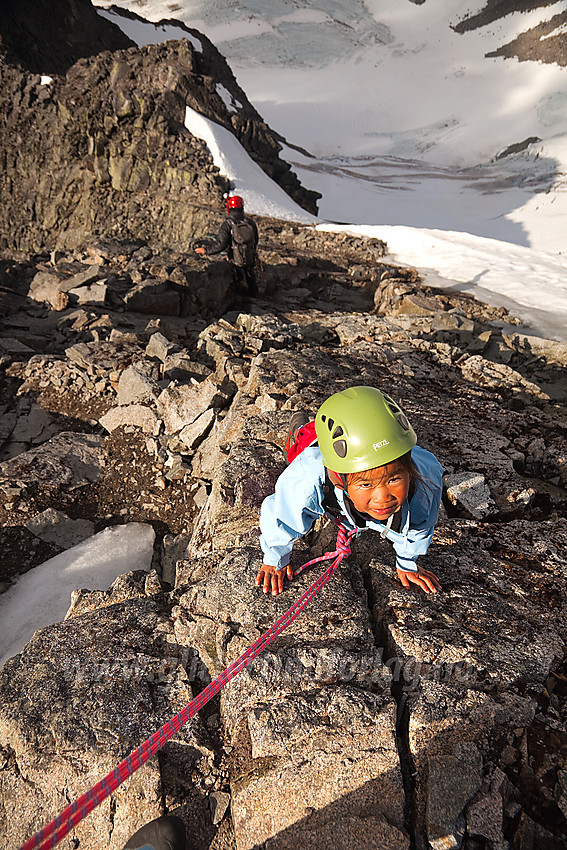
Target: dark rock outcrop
{"type": "Point", "coordinates": [542, 43]}
{"type": "Point", "coordinates": [103, 151]}
{"type": "Point", "coordinates": [47, 41]}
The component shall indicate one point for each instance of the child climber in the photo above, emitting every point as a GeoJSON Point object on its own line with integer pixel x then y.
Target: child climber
{"type": "Point", "coordinates": [358, 461]}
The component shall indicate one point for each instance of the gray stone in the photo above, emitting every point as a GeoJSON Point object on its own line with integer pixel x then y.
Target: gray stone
{"type": "Point", "coordinates": [191, 435]}
{"type": "Point", "coordinates": [441, 321]}
{"type": "Point", "coordinates": [46, 287]}
{"type": "Point", "coordinates": [57, 528]}
{"type": "Point", "coordinates": [177, 469]}
{"type": "Point", "coordinates": [159, 347]}
{"type": "Point", "coordinates": [478, 370]}
{"type": "Point", "coordinates": [219, 802]}
{"type": "Point", "coordinates": [100, 358]}
{"type": "Point", "coordinates": [551, 349]}
{"type": "Point", "coordinates": [135, 387]}
{"type": "Point", "coordinates": [94, 294]}
{"type": "Point", "coordinates": [416, 305]}
{"type": "Point", "coordinates": [181, 368]}
{"type": "Point", "coordinates": [67, 461]}
{"type": "Point", "coordinates": [486, 626]}
{"type": "Point", "coordinates": [181, 406]}
{"type": "Point", "coordinates": [87, 276]}
{"type": "Point", "coordinates": [82, 695]}
{"type": "Point", "coordinates": [137, 415]}
{"type": "Point", "coordinates": [341, 760]}
{"type": "Point", "coordinates": [36, 426]}
{"type": "Point", "coordinates": [470, 491]}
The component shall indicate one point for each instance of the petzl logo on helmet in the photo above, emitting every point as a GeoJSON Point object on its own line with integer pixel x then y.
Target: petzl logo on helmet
{"type": "Point", "coordinates": [380, 445]}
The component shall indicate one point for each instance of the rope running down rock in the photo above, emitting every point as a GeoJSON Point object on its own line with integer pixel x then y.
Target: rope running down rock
{"type": "Point", "coordinates": [52, 833]}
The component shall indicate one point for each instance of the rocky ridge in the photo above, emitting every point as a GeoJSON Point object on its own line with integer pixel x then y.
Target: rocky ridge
{"type": "Point", "coordinates": [103, 151]}
{"type": "Point", "coordinates": [138, 385]}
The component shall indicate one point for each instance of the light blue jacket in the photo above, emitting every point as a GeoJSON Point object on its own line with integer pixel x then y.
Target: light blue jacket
{"type": "Point", "coordinates": [297, 502]}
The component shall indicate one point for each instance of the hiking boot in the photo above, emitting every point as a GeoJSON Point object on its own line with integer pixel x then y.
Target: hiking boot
{"type": "Point", "coordinates": [297, 421]}
{"type": "Point", "coordinates": [165, 833]}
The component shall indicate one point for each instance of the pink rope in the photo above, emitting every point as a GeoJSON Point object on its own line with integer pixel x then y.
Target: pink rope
{"type": "Point", "coordinates": [53, 832]}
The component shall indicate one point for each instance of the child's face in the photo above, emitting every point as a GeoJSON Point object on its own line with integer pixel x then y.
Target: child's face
{"type": "Point", "coordinates": [380, 492]}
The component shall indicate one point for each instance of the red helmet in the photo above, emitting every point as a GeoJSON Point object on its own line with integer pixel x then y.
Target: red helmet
{"type": "Point", "coordinates": [235, 202]}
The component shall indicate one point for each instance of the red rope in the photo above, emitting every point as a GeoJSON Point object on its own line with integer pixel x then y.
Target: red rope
{"type": "Point", "coordinates": [51, 834]}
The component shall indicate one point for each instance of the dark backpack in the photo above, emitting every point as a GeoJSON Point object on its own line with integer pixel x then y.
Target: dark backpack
{"type": "Point", "coordinates": [243, 242]}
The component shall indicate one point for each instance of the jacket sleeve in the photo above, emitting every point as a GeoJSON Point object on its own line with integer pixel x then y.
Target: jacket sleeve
{"type": "Point", "coordinates": [288, 513]}
{"type": "Point", "coordinates": [416, 543]}
{"type": "Point", "coordinates": [423, 512]}
{"type": "Point", "coordinates": [222, 242]}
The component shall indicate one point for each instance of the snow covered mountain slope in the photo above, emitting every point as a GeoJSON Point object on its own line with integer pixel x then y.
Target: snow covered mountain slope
{"type": "Point", "coordinates": [407, 81]}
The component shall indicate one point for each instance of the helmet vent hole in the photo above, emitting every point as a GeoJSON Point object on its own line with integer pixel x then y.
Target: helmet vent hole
{"type": "Point", "coordinates": [330, 424]}
{"type": "Point", "coordinates": [340, 448]}
{"type": "Point", "coordinates": [338, 432]}
{"type": "Point", "coordinates": [403, 421]}
{"type": "Point", "coordinates": [323, 418]}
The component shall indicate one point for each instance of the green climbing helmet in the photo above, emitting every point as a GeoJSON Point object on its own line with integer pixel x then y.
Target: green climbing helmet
{"type": "Point", "coordinates": [362, 428]}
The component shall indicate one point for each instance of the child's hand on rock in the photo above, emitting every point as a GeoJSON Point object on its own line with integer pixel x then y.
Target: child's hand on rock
{"type": "Point", "coordinates": [425, 579]}
{"type": "Point", "coordinates": [272, 579]}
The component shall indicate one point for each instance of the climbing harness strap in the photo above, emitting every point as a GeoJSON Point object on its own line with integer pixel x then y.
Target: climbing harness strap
{"type": "Point", "coordinates": [51, 834]}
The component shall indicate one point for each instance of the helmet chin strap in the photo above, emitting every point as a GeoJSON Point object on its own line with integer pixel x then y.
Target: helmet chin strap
{"type": "Point", "coordinates": [387, 527]}
{"type": "Point", "coordinates": [342, 478]}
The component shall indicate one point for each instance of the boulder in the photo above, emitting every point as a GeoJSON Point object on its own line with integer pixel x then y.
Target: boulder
{"type": "Point", "coordinates": [46, 287]}
{"type": "Point", "coordinates": [154, 298]}
{"type": "Point", "coordinates": [66, 461]}
{"type": "Point", "coordinates": [94, 294]}
{"type": "Point", "coordinates": [180, 406]}
{"type": "Point", "coordinates": [191, 435]}
{"type": "Point", "coordinates": [56, 527]}
{"type": "Point", "coordinates": [82, 695]}
{"type": "Point", "coordinates": [470, 491]}
{"type": "Point", "coordinates": [137, 386]}
{"type": "Point", "coordinates": [160, 347]}
{"type": "Point", "coordinates": [131, 415]}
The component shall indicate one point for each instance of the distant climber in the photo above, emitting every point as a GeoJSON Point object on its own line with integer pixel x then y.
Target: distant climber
{"type": "Point", "coordinates": [238, 236]}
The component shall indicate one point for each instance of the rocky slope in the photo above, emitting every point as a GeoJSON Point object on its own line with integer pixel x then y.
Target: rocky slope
{"type": "Point", "coordinates": [137, 385]}
{"type": "Point", "coordinates": [380, 718]}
